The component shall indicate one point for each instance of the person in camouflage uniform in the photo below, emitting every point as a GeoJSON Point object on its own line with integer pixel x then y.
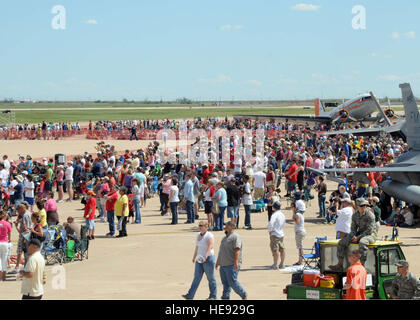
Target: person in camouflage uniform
{"type": "Point", "coordinates": [363, 231]}
{"type": "Point", "coordinates": [405, 284]}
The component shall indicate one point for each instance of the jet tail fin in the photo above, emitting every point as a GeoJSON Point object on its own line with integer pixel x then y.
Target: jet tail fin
{"type": "Point", "coordinates": [412, 116]}
{"type": "Point", "coordinates": [319, 108]}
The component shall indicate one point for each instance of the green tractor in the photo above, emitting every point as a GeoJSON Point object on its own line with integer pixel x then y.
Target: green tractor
{"type": "Point", "coordinates": [380, 267]}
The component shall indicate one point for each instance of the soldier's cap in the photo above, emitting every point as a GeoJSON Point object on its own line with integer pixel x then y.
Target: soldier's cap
{"type": "Point", "coordinates": [402, 263]}
{"type": "Point", "coordinates": [361, 202]}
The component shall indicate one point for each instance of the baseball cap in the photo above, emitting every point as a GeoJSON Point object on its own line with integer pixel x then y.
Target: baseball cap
{"type": "Point", "coordinates": [25, 173]}
{"type": "Point", "coordinates": [300, 206]}
{"type": "Point", "coordinates": [402, 263]}
{"type": "Point", "coordinates": [346, 199]}
{"type": "Point", "coordinates": [277, 205]}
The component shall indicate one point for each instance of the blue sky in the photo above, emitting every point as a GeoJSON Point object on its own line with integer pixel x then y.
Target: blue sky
{"type": "Point", "coordinates": [211, 50]}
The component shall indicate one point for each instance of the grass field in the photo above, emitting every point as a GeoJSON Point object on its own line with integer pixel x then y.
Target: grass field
{"type": "Point", "coordinates": [30, 116]}
{"type": "Point", "coordinates": [81, 114]}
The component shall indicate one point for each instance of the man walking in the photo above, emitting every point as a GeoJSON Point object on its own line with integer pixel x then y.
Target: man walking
{"type": "Point", "coordinates": [275, 230]}
{"type": "Point", "coordinates": [363, 232]}
{"type": "Point", "coordinates": [33, 277]}
{"type": "Point", "coordinates": [229, 260]}
{"type": "Point", "coordinates": [247, 201]}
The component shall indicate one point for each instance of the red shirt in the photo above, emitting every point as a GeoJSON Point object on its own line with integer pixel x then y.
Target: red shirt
{"type": "Point", "coordinates": [293, 168]}
{"type": "Point", "coordinates": [110, 203]}
{"type": "Point", "coordinates": [356, 276]}
{"type": "Point", "coordinates": [91, 204]}
{"type": "Point", "coordinates": [206, 174]}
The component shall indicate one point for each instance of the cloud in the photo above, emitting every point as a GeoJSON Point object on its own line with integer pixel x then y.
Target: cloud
{"type": "Point", "coordinates": [91, 21]}
{"type": "Point", "coordinates": [229, 27]}
{"type": "Point", "coordinates": [389, 77]}
{"type": "Point", "coordinates": [395, 35]}
{"type": "Point", "coordinates": [285, 80]}
{"type": "Point", "coordinates": [305, 7]}
{"type": "Point", "coordinates": [408, 35]}
{"type": "Point", "coordinates": [221, 78]}
{"type": "Point", "coordinates": [255, 83]}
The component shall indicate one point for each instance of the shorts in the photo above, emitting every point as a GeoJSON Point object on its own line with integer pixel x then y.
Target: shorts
{"type": "Point", "coordinates": [30, 201]}
{"type": "Point", "coordinates": [60, 183]}
{"type": "Point", "coordinates": [69, 184]}
{"type": "Point", "coordinates": [131, 213]}
{"type": "Point", "coordinates": [233, 212]}
{"type": "Point", "coordinates": [20, 245]}
{"type": "Point", "coordinates": [291, 185]}
{"type": "Point", "coordinates": [208, 205]}
{"type": "Point", "coordinates": [258, 193]}
{"type": "Point", "coordinates": [299, 237]}
{"type": "Point", "coordinates": [90, 224]}
{"type": "Point", "coordinates": [276, 244]}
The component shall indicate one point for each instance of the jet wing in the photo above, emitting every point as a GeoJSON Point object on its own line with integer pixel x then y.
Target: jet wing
{"type": "Point", "coordinates": [403, 167]}
{"type": "Point", "coordinates": [310, 118]}
{"type": "Point", "coordinates": [356, 132]}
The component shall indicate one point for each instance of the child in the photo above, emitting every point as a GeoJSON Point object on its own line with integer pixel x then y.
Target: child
{"type": "Point", "coordinates": [130, 208]}
{"type": "Point", "coordinates": [356, 278]}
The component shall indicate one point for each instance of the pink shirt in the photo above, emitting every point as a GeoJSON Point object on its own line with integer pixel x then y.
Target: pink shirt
{"type": "Point", "coordinates": [104, 189]}
{"type": "Point", "coordinates": [50, 205]}
{"type": "Point", "coordinates": [60, 175]}
{"type": "Point", "coordinates": [167, 186]}
{"type": "Point", "coordinates": [317, 164]}
{"type": "Point", "coordinates": [5, 228]}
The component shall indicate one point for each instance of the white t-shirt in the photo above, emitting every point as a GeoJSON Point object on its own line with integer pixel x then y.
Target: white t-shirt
{"type": "Point", "coordinates": [238, 165]}
{"type": "Point", "coordinates": [277, 223]}
{"type": "Point", "coordinates": [12, 186]}
{"type": "Point", "coordinates": [69, 173]}
{"type": "Point", "coordinates": [300, 227]}
{"type": "Point", "coordinates": [207, 195]}
{"type": "Point", "coordinates": [6, 164]}
{"type": "Point", "coordinates": [203, 245]}
{"type": "Point", "coordinates": [343, 222]}
{"type": "Point", "coordinates": [33, 286]}
{"type": "Point", "coordinates": [175, 191]}
{"type": "Point", "coordinates": [4, 175]}
{"type": "Point", "coordinates": [259, 178]}
{"type": "Point", "coordinates": [247, 198]}
{"type": "Point", "coordinates": [408, 216]}
{"type": "Point", "coordinates": [30, 185]}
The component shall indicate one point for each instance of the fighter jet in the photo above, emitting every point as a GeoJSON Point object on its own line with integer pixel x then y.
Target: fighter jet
{"type": "Point", "coordinates": [357, 109]}
{"type": "Point", "coordinates": [397, 130]}
{"type": "Point", "coordinates": [404, 173]}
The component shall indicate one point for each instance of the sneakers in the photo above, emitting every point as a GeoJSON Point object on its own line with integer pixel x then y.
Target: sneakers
{"type": "Point", "coordinates": [275, 267]}
{"type": "Point", "coordinates": [186, 297]}
{"type": "Point", "coordinates": [60, 201]}
{"type": "Point", "coordinates": [282, 266]}
{"type": "Point", "coordinates": [109, 235]}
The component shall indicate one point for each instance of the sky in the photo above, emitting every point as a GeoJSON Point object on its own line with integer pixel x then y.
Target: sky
{"type": "Point", "coordinates": [234, 49]}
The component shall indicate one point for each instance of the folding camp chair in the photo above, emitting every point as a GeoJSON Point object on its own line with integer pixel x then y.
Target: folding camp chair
{"type": "Point", "coordinates": [312, 259]}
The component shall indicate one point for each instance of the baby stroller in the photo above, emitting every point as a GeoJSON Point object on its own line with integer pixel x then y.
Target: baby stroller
{"type": "Point", "coordinates": [82, 245]}
{"type": "Point", "coordinates": [54, 246]}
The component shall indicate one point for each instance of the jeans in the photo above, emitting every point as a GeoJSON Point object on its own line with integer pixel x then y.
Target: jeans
{"type": "Point", "coordinates": [219, 219]}
{"type": "Point", "coordinates": [123, 231]}
{"type": "Point", "coordinates": [136, 204]}
{"type": "Point", "coordinates": [174, 211]}
{"type": "Point", "coordinates": [110, 216]}
{"type": "Point", "coordinates": [321, 204]}
{"type": "Point", "coordinates": [247, 208]}
{"type": "Point", "coordinates": [101, 209]}
{"type": "Point", "coordinates": [230, 281]}
{"type": "Point", "coordinates": [207, 268]}
{"type": "Point", "coordinates": [190, 211]}
{"type": "Point", "coordinates": [162, 202]}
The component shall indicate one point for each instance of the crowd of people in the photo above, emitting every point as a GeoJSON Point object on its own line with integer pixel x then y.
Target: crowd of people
{"type": "Point", "coordinates": [114, 187]}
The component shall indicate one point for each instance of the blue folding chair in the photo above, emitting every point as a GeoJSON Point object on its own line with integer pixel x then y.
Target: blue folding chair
{"type": "Point", "coordinates": [312, 259]}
